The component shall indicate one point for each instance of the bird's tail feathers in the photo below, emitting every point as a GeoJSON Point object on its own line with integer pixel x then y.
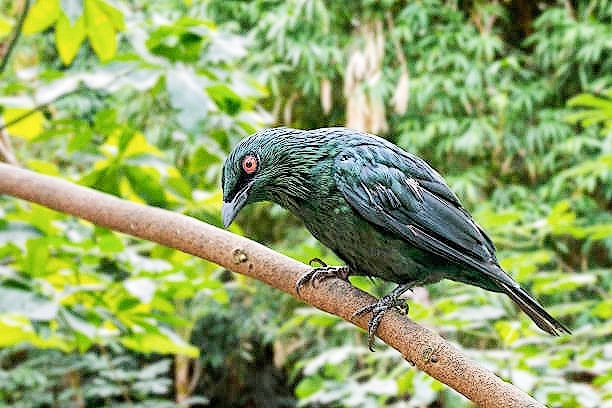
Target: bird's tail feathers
{"type": "Point", "coordinates": [533, 309]}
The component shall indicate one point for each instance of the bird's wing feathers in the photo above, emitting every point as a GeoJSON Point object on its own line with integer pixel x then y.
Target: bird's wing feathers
{"type": "Point", "coordinates": [402, 194]}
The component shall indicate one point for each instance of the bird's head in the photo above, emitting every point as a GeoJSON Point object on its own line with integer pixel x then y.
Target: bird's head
{"type": "Point", "coordinates": [271, 165]}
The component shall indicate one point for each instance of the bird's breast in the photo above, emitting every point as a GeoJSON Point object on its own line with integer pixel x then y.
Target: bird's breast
{"type": "Point", "coordinates": [366, 249]}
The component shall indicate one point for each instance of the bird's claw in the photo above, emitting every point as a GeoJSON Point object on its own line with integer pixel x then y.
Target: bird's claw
{"type": "Point", "coordinates": [378, 309]}
{"type": "Point", "coordinates": [321, 273]}
{"type": "Point", "coordinates": [317, 261]}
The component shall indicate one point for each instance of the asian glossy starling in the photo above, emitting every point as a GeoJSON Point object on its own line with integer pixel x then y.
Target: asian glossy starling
{"type": "Point", "coordinates": [383, 211]}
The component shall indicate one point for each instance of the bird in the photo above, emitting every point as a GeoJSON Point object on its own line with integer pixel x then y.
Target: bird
{"type": "Point", "coordinates": [386, 213]}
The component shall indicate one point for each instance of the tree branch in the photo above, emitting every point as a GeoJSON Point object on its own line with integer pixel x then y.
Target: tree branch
{"type": "Point", "coordinates": [16, 34]}
{"type": "Point", "coordinates": [6, 148]}
{"type": "Point", "coordinates": [426, 350]}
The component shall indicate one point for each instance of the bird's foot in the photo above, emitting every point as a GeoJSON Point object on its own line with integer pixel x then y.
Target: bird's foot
{"type": "Point", "coordinates": [321, 273]}
{"type": "Point", "coordinates": [380, 307]}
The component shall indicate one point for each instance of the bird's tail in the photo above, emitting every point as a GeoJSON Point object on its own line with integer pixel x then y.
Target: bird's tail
{"type": "Point", "coordinates": [533, 309]}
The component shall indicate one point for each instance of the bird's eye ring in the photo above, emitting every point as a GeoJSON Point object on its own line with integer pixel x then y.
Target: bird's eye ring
{"type": "Point", "coordinates": [249, 164]}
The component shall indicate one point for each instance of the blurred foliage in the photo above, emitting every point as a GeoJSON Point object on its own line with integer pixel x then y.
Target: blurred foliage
{"type": "Point", "coordinates": [510, 101]}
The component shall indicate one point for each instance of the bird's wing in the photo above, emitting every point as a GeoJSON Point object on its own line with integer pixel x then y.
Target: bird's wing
{"type": "Point", "coordinates": [402, 194]}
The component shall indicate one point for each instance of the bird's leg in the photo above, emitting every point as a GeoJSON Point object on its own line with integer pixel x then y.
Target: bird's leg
{"type": "Point", "coordinates": [380, 307]}
{"type": "Point", "coordinates": [321, 273]}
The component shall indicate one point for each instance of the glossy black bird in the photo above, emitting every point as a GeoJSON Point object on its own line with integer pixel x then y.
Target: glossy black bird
{"type": "Point", "coordinates": [383, 211]}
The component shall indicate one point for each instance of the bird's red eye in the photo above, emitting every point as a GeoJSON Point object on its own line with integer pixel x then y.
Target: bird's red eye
{"type": "Point", "coordinates": [249, 164]}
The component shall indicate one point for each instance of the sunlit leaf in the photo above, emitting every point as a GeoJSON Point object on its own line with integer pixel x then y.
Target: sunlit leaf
{"type": "Point", "coordinates": [139, 145]}
{"type": "Point", "coordinates": [308, 386]}
{"type": "Point", "coordinates": [41, 16]}
{"type": "Point", "coordinates": [523, 265]}
{"type": "Point", "coordinates": [69, 37]}
{"type": "Point", "coordinates": [603, 310]}
{"type": "Point", "coordinates": [145, 182]}
{"type": "Point", "coordinates": [162, 343]}
{"type": "Point", "coordinates": [36, 262]}
{"type": "Point", "coordinates": [110, 243]}
{"type": "Point", "coordinates": [100, 30]}
{"type": "Point", "coordinates": [16, 330]}
{"type": "Point", "coordinates": [557, 283]}
{"type": "Point", "coordinates": [43, 167]}
{"type": "Point", "coordinates": [29, 127]}
{"type": "Point", "coordinates": [5, 26]}
{"type": "Point", "coordinates": [115, 16]}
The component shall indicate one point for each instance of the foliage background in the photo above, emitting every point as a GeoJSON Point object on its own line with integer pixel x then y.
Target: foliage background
{"type": "Point", "coordinates": [510, 100]}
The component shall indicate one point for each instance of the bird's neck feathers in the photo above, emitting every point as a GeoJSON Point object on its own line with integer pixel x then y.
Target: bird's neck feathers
{"type": "Point", "coordinates": [297, 159]}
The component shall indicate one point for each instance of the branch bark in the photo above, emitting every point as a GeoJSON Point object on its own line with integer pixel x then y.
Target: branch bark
{"type": "Point", "coordinates": [6, 148]}
{"type": "Point", "coordinates": [16, 33]}
{"type": "Point", "coordinates": [426, 350]}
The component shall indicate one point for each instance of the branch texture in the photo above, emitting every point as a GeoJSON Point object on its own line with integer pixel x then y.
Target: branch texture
{"type": "Point", "coordinates": [425, 349]}
{"type": "Point", "coordinates": [16, 33]}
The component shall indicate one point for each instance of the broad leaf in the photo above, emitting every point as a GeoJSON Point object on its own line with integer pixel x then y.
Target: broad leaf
{"type": "Point", "coordinates": [42, 15]}
{"type": "Point", "coordinates": [69, 37]}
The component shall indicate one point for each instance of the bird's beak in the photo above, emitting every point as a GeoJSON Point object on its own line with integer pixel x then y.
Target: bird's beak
{"type": "Point", "coordinates": [229, 210]}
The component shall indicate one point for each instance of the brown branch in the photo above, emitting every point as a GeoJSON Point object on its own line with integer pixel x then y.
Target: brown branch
{"type": "Point", "coordinates": [195, 376]}
{"type": "Point", "coordinates": [16, 33]}
{"type": "Point", "coordinates": [6, 148]}
{"type": "Point", "coordinates": [426, 350]}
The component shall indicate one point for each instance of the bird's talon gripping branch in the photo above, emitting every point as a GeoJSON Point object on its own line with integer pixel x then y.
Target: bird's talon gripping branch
{"type": "Point", "coordinates": [321, 273]}
{"type": "Point", "coordinates": [378, 310]}
{"type": "Point", "coordinates": [402, 307]}
{"type": "Point", "coordinates": [317, 261]}
{"type": "Point", "coordinates": [380, 307]}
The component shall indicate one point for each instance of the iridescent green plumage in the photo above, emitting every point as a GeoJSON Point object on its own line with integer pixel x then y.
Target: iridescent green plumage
{"type": "Point", "coordinates": [384, 211]}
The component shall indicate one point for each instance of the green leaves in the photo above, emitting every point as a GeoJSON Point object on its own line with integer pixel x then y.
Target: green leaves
{"type": "Point", "coordinates": [152, 125]}
{"type": "Point", "coordinates": [226, 99]}
{"type": "Point", "coordinates": [5, 27]}
{"type": "Point", "coordinates": [26, 303]}
{"type": "Point", "coordinates": [72, 286]}
{"type": "Point", "coordinates": [186, 91]}
{"type": "Point", "coordinates": [42, 15]}
{"type": "Point", "coordinates": [29, 127]}
{"type": "Point", "coordinates": [182, 41]}
{"type": "Point", "coordinates": [597, 110]}
{"type": "Point", "coordinates": [132, 168]}
{"type": "Point", "coordinates": [102, 22]}
{"type": "Point", "coordinates": [69, 36]}
{"type": "Point", "coordinates": [164, 342]}
{"type": "Point", "coordinates": [74, 21]}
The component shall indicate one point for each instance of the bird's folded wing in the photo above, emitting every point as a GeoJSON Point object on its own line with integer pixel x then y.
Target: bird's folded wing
{"type": "Point", "coordinates": [417, 207]}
